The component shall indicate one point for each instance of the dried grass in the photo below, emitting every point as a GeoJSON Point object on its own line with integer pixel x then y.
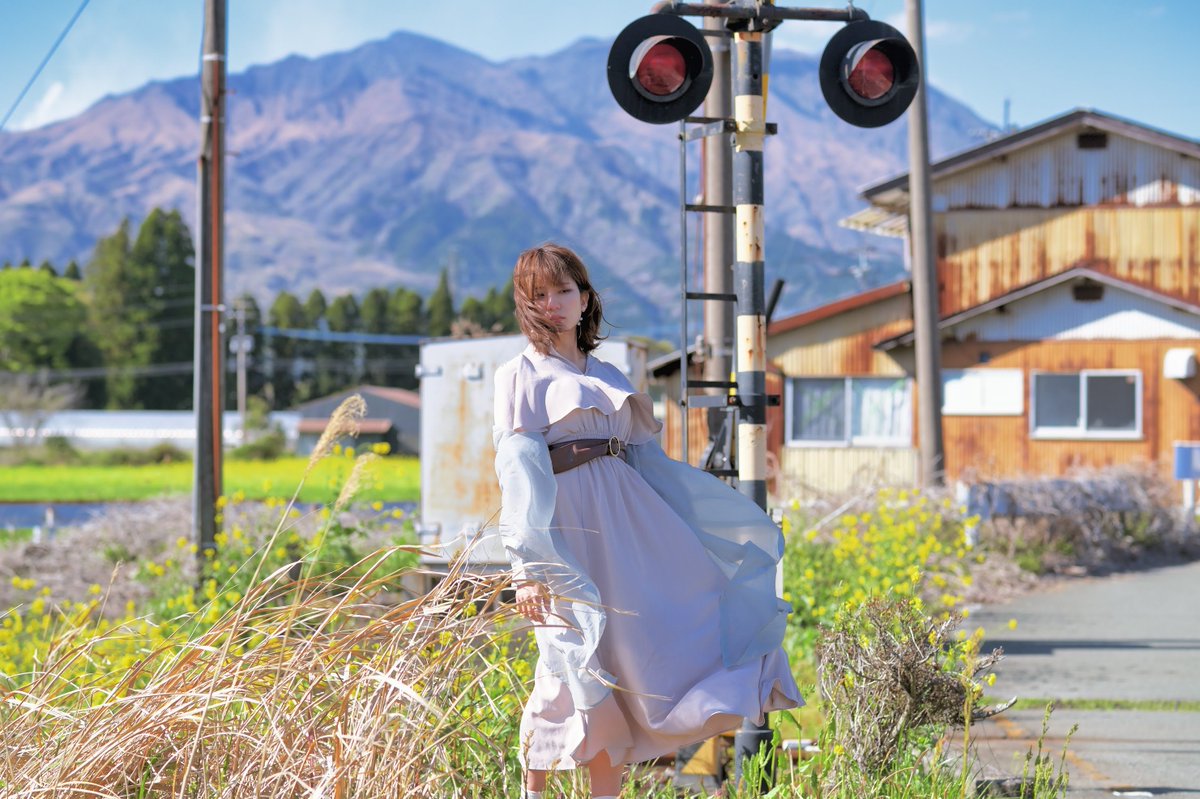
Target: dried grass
{"type": "Point", "coordinates": [331, 695]}
{"type": "Point", "coordinates": [888, 672]}
{"type": "Point", "coordinates": [305, 687]}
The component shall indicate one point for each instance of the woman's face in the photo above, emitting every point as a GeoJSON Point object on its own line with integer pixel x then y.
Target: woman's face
{"type": "Point", "coordinates": [563, 303]}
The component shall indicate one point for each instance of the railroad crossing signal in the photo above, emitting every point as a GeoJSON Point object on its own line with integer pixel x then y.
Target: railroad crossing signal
{"type": "Point", "coordinates": [659, 68]}
{"type": "Point", "coordinates": [869, 73]}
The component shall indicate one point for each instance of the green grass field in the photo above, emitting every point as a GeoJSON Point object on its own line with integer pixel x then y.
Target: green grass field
{"type": "Point", "coordinates": [387, 479]}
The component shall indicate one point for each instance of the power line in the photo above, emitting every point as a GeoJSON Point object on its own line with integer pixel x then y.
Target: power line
{"type": "Point", "coordinates": [41, 66]}
{"type": "Point", "coordinates": [349, 338]}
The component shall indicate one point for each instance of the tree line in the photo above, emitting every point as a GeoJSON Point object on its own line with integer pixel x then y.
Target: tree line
{"type": "Point", "coordinates": [121, 327]}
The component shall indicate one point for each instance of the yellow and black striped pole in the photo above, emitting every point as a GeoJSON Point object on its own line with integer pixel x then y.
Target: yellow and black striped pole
{"type": "Point", "coordinates": [750, 130]}
{"type": "Point", "coordinates": [751, 326]}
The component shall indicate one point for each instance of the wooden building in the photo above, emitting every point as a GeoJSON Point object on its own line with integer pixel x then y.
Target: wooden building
{"type": "Point", "coordinates": [1068, 262]}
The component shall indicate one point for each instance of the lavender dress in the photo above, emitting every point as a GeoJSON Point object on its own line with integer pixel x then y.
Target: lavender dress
{"type": "Point", "coordinates": [662, 648]}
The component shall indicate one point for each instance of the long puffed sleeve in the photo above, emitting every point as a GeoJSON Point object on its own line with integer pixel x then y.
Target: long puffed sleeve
{"type": "Point", "coordinates": [528, 488]}
{"type": "Point", "coordinates": [739, 537]}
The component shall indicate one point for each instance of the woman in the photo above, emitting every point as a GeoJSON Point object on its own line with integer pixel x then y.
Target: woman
{"type": "Point", "coordinates": [651, 585]}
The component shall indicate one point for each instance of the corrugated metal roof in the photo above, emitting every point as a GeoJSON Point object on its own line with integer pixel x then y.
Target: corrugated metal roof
{"type": "Point", "coordinates": [893, 192]}
{"type": "Point", "coordinates": [880, 221]}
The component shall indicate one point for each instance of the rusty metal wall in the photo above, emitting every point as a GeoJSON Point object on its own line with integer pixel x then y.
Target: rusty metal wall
{"type": "Point", "coordinates": [459, 493]}
{"type": "Point", "coordinates": [983, 254]}
{"type": "Point", "coordinates": [1057, 173]}
{"type": "Point", "coordinates": [844, 344]}
{"type": "Point", "coordinates": [983, 447]}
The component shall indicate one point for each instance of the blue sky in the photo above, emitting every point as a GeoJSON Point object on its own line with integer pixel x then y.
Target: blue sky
{"type": "Point", "coordinates": [1134, 58]}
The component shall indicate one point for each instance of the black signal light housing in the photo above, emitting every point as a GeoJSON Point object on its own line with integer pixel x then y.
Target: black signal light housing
{"type": "Point", "coordinates": [659, 69]}
{"type": "Point", "coordinates": [869, 73]}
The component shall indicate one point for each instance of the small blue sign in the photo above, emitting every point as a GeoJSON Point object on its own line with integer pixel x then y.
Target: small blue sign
{"type": "Point", "coordinates": [1187, 460]}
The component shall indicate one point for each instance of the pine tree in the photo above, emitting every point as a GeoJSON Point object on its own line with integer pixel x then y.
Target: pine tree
{"type": "Point", "coordinates": [374, 311]}
{"type": "Point", "coordinates": [503, 308]}
{"type": "Point", "coordinates": [72, 271]}
{"type": "Point", "coordinates": [346, 365]}
{"type": "Point", "coordinates": [45, 266]}
{"type": "Point", "coordinates": [441, 307]}
{"type": "Point", "coordinates": [121, 319]}
{"type": "Point", "coordinates": [164, 256]}
{"type": "Point", "coordinates": [374, 316]}
{"type": "Point", "coordinates": [314, 309]}
{"type": "Point", "coordinates": [405, 312]}
{"type": "Point", "coordinates": [287, 366]}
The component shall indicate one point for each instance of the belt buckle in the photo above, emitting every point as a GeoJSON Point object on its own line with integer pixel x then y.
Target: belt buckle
{"type": "Point", "coordinates": [614, 446]}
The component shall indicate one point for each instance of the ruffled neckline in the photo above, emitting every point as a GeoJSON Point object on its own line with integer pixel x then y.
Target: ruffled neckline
{"type": "Point", "coordinates": [546, 388]}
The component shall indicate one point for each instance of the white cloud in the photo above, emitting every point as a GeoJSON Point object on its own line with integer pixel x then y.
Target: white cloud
{"type": "Point", "coordinates": [270, 30]}
{"type": "Point", "coordinates": [47, 109]}
{"type": "Point", "coordinates": [807, 37]}
{"type": "Point", "coordinates": [935, 29]}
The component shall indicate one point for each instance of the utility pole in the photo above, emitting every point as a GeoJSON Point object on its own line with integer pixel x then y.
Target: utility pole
{"type": "Point", "coordinates": [208, 395]}
{"type": "Point", "coordinates": [924, 273]}
{"type": "Point", "coordinates": [718, 227]}
{"type": "Point", "coordinates": [243, 345]}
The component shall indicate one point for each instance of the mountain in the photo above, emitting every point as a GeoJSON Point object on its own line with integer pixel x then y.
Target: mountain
{"type": "Point", "coordinates": [379, 165]}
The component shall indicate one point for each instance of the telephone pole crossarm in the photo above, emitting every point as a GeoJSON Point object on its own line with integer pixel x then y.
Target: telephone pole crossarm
{"type": "Point", "coordinates": [761, 12]}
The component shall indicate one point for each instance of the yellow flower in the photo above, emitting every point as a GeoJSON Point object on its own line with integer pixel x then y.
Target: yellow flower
{"type": "Point", "coordinates": [991, 679]}
{"type": "Point", "coordinates": [1012, 624]}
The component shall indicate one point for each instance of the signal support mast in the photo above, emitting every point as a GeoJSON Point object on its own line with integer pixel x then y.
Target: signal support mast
{"type": "Point", "coordinates": [660, 69]}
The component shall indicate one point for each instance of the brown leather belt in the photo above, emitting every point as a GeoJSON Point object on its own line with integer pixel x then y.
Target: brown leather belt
{"type": "Point", "coordinates": [566, 455]}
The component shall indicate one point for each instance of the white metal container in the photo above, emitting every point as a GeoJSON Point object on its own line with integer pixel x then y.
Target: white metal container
{"type": "Point", "coordinates": [460, 499]}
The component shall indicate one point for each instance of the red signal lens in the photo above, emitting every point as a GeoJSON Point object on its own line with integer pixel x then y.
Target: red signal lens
{"type": "Point", "coordinates": [662, 70]}
{"type": "Point", "coordinates": [873, 76]}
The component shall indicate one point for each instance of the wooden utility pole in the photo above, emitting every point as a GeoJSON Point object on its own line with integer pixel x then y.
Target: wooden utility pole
{"type": "Point", "coordinates": [208, 396]}
{"type": "Point", "coordinates": [924, 272]}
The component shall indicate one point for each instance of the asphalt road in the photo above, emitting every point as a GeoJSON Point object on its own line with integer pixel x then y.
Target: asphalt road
{"type": "Point", "coordinates": [1133, 637]}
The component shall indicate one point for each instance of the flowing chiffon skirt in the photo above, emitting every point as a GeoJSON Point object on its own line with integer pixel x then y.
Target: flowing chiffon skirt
{"type": "Point", "coordinates": [661, 640]}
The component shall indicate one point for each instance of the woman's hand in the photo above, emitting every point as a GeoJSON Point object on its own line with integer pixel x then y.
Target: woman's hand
{"type": "Point", "coordinates": [533, 601]}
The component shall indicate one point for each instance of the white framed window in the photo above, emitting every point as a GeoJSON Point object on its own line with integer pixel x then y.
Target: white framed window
{"type": "Point", "coordinates": [849, 411]}
{"type": "Point", "coordinates": [1094, 403]}
{"type": "Point", "coordinates": [983, 392]}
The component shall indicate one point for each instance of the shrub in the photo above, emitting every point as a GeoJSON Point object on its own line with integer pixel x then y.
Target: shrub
{"type": "Point", "coordinates": [267, 447]}
{"type": "Point", "coordinates": [160, 453]}
{"type": "Point", "coordinates": [1096, 519]}
{"type": "Point", "coordinates": [892, 676]}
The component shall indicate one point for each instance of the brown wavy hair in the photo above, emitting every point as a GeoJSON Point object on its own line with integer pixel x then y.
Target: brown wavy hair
{"type": "Point", "coordinates": [549, 265]}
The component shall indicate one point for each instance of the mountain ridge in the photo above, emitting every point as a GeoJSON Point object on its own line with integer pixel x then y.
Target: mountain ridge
{"type": "Point", "coordinates": [381, 164]}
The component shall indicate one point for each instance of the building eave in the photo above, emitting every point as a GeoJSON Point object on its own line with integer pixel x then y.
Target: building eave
{"type": "Point", "coordinates": [837, 307]}
{"type": "Point", "coordinates": [906, 339]}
